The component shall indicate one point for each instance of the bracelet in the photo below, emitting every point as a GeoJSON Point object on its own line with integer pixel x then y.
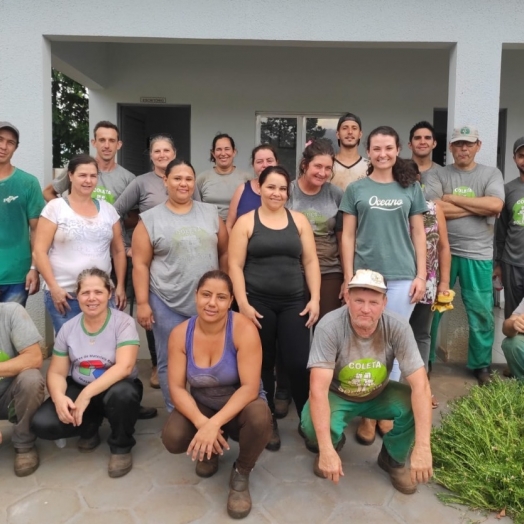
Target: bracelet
{"type": "Point", "coordinates": [33, 267]}
{"type": "Point", "coordinates": [423, 279]}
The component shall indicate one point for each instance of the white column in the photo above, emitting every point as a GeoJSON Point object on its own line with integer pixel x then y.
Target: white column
{"type": "Point", "coordinates": [474, 92]}
{"type": "Point", "coordinates": [25, 101]}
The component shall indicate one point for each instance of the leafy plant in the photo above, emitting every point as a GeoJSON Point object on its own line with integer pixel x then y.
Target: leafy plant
{"type": "Point", "coordinates": [478, 451]}
{"type": "Point", "coordinates": [70, 119]}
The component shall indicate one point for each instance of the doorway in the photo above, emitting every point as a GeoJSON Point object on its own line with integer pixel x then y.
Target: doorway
{"type": "Point", "coordinates": [137, 122]}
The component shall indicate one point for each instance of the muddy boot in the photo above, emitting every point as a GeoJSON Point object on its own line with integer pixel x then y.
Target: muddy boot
{"type": "Point", "coordinates": [399, 474]}
{"type": "Point", "coordinates": [153, 379]}
{"type": "Point", "coordinates": [86, 445]}
{"type": "Point", "coordinates": [366, 430]}
{"type": "Point", "coordinates": [26, 461]}
{"type": "Point", "coordinates": [274, 441]}
{"type": "Point", "coordinates": [119, 465]}
{"type": "Point", "coordinates": [239, 499]}
{"type": "Point", "coordinates": [208, 467]}
{"type": "Point", "coordinates": [384, 426]}
{"type": "Point", "coordinates": [282, 402]}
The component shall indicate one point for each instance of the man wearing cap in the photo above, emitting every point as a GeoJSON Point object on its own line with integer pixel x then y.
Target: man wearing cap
{"type": "Point", "coordinates": [350, 360]}
{"type": "Point", "coordinates": [509, 237]}
{"type": "Point", "coordinates": [422, 143]}
{"type": "Point", "coordinates": [349, 165]}
{"type": "Point", "coordinates": [20, 205]}
{"type": "Point", "coordinates": [470, 193]}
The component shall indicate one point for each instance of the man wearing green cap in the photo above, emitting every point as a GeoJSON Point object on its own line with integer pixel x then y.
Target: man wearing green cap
{"type": "Point", "coordinates": [470, 193]}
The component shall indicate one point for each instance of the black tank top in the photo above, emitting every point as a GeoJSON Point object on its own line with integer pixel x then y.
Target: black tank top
{"type": "Point", "coordinates": [273, 260]}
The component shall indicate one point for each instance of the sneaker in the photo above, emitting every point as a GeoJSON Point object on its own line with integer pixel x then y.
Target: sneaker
{"type": "Point", "coordinates": [153, 379]}
{"type": "Point", "coordinates": [26, 461]}
{"type": "Point", "coordinates": [147, 413]}
{"type": "Point", "coordinates": [86, 445]}
{"type": "Point", "coordinates": [282, 402]}
{"type": "Point", "coordinates": [366, 431]}
{"type": "Point", "coordinates": [119, 465]}
{"type": "Point", "coordinates": [399, 474]}
{"type": "Point", "coordinates": [274, 441]}
{"type": "Point", "coordinates": [483, 375]}
{"type": "Point", "coordinates": [239, 499]}
{"type": "Point", "coordinates": [208, 467]}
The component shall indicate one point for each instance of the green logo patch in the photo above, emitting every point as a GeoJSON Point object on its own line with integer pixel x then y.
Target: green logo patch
{"type": "Point", "coordinates": [360, 377]}
{"type": "Point", "coordinates": [102, 193]}
{"type": "Point", "coordinates": [464, 191]}
{"type": "Point", "coordinates": [518, 212]}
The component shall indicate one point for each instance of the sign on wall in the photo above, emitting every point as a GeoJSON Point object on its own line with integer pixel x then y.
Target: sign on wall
{"type": "Point", "coordinates": [152, 100]}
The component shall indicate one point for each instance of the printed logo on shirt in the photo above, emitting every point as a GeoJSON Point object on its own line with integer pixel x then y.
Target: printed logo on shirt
{"type": "Point", "coordinates": [191, 243]}
{"type": "Point", "coordinates": [518, 212]}
{"type": "Point", "coordinates": [464, 191]}
{"type": "Point", "coordinates": [102, 193]}
{"type": "Point", "coordinates": [361, 377]}
{"type": "Point", "coordinates": [4, 357]}
{"type": "Point", "coordinates": [10, 199]}
{"type": "Point", "coordinates": [388, 204]}
{"type": "Point", "coordinates": [318, 222]}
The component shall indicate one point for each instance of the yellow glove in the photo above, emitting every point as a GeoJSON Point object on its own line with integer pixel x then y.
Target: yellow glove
{"type": "Point", "coordinates": [443, 302]}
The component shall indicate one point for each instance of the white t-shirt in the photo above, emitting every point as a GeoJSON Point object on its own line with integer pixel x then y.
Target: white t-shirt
{"type": "Point", "coordinates": [79, 242]}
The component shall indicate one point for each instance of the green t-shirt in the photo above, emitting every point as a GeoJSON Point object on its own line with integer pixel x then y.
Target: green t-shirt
{"type": "Point", "coordinates": [20, 201]}
{"type": "Point", "coordinates": [17, 332]}
{"type": "Point", "coordinates": [383, 241]}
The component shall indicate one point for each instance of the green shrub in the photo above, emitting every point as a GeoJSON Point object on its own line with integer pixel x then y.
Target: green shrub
{"type": "Point", "coordinates": [478, 451]}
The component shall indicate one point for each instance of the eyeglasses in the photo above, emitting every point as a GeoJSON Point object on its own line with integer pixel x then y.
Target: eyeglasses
{"type": "Point", "coordinates": [461, 143]}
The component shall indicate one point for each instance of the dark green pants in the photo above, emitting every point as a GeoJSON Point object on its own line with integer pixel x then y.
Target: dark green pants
{"type": "Point", "coordinates": [476, 288]}
{"type": "Point", "coordinates": [514, 352]}
{"type": "Point", "coordinates": [394, 403]}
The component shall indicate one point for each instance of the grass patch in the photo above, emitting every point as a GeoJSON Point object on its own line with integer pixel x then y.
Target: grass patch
{"type": "Point", "coordinates": [478, 451]}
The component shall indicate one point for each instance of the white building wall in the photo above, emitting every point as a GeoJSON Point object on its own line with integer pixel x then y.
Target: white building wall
{"type": "Point", "coordinates": [227, 85]}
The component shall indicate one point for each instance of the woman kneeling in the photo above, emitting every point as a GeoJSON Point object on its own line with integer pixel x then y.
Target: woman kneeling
{"type": "Point", "coordinates": [219, 353]}
{"type": "Point", "coordinates": [92, 375]}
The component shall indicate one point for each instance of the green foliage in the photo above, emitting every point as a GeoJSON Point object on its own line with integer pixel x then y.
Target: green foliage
{"type": "Point", "coordinates": [70, 119]}
{"type": "Point", "coordinates": [478, 450]}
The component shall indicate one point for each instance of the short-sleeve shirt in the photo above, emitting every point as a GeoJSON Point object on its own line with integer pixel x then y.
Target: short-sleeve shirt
{"type": "Point", "coordinates": [383, 241]}
{"type": "Point", "coordinates": [520, 309]}
{"type": "Point", "coordinates": [21, 200]}
{"type": "Point", "coordinates": [17, 332]}
{"type": "Point", "coordinates": [361, 366]}
{"type": "Point", "coordinates": [344, 175]}
{"type": "Point", "coordinates": [471, 236]}
{"type": "Point", "coordinates": [110, 184]}
{"type": "Point", "coordinates": [509, 238]}
{"type": "Point", "coordinates": [185, 246]}
{"type": "Point", "coordinates": [92, 354]}
{"type": "Point", "coordinates": [79, 242]}
{"type": "Point", "coordinates": [321, 211]}
{"type": "Point", "coordinates": [428, 174]}
{"type": "Point", "coordinates": [219, 189]}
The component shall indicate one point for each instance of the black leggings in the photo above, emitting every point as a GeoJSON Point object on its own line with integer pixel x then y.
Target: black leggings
{"type": "Point", "coordinates": [283, 324]}
{"type": "Point", "coordinates": [119, 404]}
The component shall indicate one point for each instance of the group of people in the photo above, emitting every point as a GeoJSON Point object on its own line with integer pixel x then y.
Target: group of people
{"type": "Point", "coordinates": [232, 273]}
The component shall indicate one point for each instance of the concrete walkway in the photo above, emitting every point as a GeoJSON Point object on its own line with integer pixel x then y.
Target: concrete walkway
{"type": "Point", "coordinates": [74, 488]}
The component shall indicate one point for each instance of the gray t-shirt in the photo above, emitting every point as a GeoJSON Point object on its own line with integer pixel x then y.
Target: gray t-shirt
{"type": "Point", "coordinates": [92, 354]}
{"type": "Point", "coordinates": [429, 173]}
{"type": "Point", "coordinates": [509, 228]}
{"type": "Point", "coordinates": [110, 184]}
{"type": "Point", "coordinates": [383, 241]}
{"type": "Point", "coordinates": [321, 211]}
{"type": "Point", "coordinates": [184, 248]}
{"type": "Point", "coordinates": [218, 189]}
{"type": "Point", "coordinates": [17, 332]}
{"type": "Point", "coordinates": [469, 237]}
{"type": "Point", "coordinates": [361, 366]}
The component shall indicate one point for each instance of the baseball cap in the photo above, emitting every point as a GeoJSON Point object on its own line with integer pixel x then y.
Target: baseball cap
{"type": "Point", "coordinates": [349, 116]}
{"type": "Point", "coordinates": [7, 125]}
{"type": "Point", "coordinates": [518, 144]}
{"type": "Point", "coordinates": [369, 279]}
{"type": "Point", "coordinates": [466, 133]}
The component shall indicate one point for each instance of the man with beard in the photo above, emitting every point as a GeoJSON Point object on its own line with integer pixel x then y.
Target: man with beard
{"type": "Point", "coordinates": [422, 143]}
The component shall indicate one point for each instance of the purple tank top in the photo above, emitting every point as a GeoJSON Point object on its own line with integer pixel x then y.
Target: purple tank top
{"type": "Point", "coordinates": [248, 201]}
{"type": "Point", "coordinates": [214, 386]}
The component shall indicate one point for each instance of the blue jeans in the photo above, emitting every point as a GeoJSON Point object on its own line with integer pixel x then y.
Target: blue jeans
{"type": "Point", "coordinates": [165, 321]}
{"type": "Point", "coordinates": [399, 303]}
{"type": "Point", "coordinates": [57, 318]}
{"type": "Point", "coordinates": [14, 293]}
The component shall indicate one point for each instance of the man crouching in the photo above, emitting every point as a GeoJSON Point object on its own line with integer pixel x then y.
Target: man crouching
{"type": "Point", "coordinates": [350, 360]}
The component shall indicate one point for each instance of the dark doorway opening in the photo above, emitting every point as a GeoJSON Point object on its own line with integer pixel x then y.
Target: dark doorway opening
{"type": "Point", "coordinates": [138, 122]}
{"type": "Point", "coordinates": [440, 123]}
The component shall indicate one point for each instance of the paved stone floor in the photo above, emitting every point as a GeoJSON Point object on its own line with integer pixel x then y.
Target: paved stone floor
{"type": "Point", "coordinates": [162, 488]}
